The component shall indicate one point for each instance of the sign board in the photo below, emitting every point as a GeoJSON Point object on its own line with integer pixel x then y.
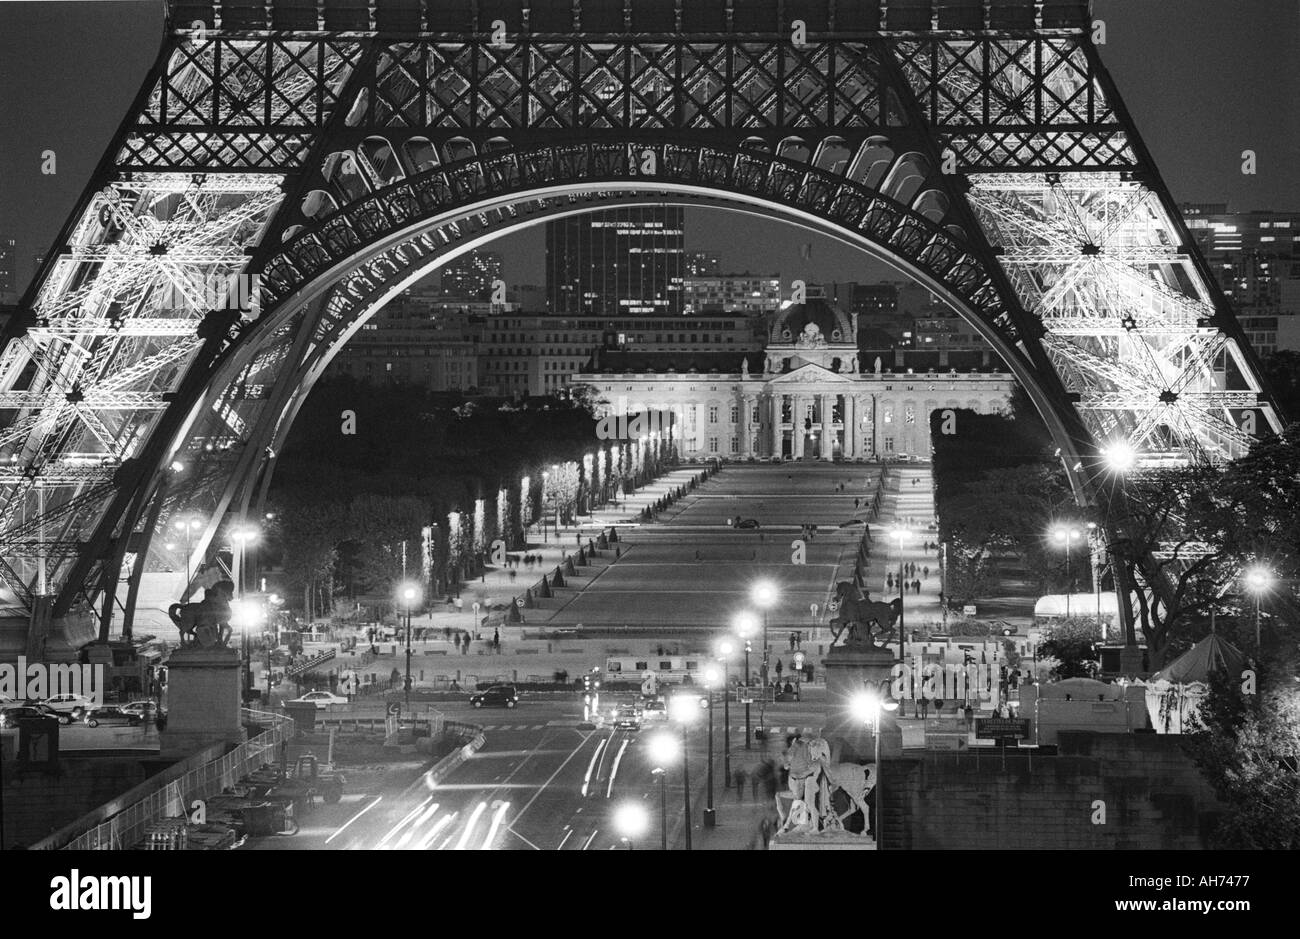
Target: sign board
{"type": "Point", "coordinates": [946, 742]}
{"type": "Point", "coordinates": [968, 610]}
{"type": "Point", "coordinates": [394, 709]}
{"type": "Point", "coordinates": [994, 728]}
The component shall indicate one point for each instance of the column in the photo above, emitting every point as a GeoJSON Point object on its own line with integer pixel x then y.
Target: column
{"type": "Point", "coordinates": [850, 426]}
{"type": "Point", "coordinates": [746, 437]}
{"type": "Point", "coordinates": [828, 428]}
{"type": "Point", "coordinates": [796, 429]}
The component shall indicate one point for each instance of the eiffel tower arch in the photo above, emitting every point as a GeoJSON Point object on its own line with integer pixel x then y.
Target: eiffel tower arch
{"type": "Point", "coordinates": [290, 165]}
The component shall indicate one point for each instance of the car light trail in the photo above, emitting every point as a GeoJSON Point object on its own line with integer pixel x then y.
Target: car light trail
{"type": "Point", "coordinates": [470, 823]}
{"type": "Point", "coordinates": [591, 839]}
{"type": "Point", "coordinates": [415, 826]}
{"type": "Point", "coordinates": [497, 818]}
{"type": "Point", "coordinates": [353, 819]}
{"type": "Point", "coordinates": [613, 772]}
{"type": "Point", "coordinates": [438, 827]}
{"type": "Point", "coordinates": [586, 781]}
{"type": "Point", "coordinates": [406, 818]}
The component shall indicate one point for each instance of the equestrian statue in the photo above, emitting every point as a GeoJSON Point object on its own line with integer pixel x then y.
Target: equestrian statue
{"type": "Point", "coordinates": [855, 613]}
{"type": "Point", "coordinates": [205, 624]}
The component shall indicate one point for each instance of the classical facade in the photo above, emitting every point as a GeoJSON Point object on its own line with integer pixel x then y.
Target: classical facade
{"type": "Point", "coordinates": [805, 396]}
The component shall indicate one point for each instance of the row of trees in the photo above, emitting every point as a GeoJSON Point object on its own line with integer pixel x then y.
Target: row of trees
{"type": "Point", "coordinates": [426, 484]}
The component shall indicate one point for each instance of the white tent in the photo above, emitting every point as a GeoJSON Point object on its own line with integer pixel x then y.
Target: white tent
{"type": "Point", "coordinates": [1174, 693]}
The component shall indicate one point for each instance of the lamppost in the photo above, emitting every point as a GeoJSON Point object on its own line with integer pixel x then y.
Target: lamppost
{"type": "Point", "coordinates": [410, 594]}
{"type": "Point", "coordinates": [1066, 536]}
{"type": "Point", "coordinates": [545, 476]}
{"type": "Point", "coordinates": [631, 821]}
{"type": "Point", "coordinates": [867, 706]}
{"type": "Point", "coordinates": [1096, 572]}
{"type": "Point", "coordinates": [241, 538]}
{"type": "Point", "coordinates": [763, 595]}
{"type": "Point", "coordinates": [725, 649]}
{"type": "Point", "coordinates": [711, 679]}
{"type": "Point", "coordinates": [902, 535]}
{"type": "Point", "coordinates": [1258, 579]}
{"type": "Point", "coordinates": [187, 526]}
{"type": "Point", "coordinates": [663, 750]}
{"type": "Point", "coordinates": [246, 615]}
{"type": "Point", "coordinates": [799, 660]}
{"type": "Point", "coordinates": [746, 625]}
{"type": "Point", "coordinates": [685, 709]}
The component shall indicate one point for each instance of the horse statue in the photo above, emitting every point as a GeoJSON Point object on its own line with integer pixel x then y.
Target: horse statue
{"type": "Point", "coordinates": [205, 624]}
{"type": "Point", "coordinates": [853, 610]}
{"type": "Point", "coordinates": [854, 780]}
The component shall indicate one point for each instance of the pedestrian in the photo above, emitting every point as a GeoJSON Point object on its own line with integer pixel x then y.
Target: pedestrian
{"type": "Point", "coordinates": [889, 581]}
{"type": "Point", "coordinates": [916, 584]}
{"type": "Point", "coordinates": [738, 779]}
{"type": "Point", "coordinates": [791, 642]}
{"type": "Point", "coordinates": [926, 571]}
{"type": "Point", "coordinates": [970, 718]}
{"type": "Point", "coordinates": [779, 669]}
{"type": "Point", "coordinates": [856, 502]}
{"type": "Point", "coordinates": [765, 831]}
{"type": "Point", "coordinates": [496, 639]}
{"type": "Point", "coordinates": [925, 707]}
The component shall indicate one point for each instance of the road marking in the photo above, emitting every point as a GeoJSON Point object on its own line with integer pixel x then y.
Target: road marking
{"type": "Point", "coordinates": [415, 826]}
{"type": "Point", "coordinates": [567, 835]}
{"type": "Point", "coordinates": [502, 808]}
{"type": "Point", "coordinates": [591, 839]}
{"type": "Point", "coordinates": [354, 818]}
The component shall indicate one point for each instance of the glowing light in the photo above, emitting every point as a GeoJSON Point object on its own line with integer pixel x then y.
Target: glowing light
{"type": "Point", "coordinates": [1259, 579]}
{"type": "Point", "coordinates": [662, 749]}
{"type": "Point", "coordinates": [1119, 457]}
{"type": "Point", "coordinates": [763, 594]}
{"type": "Point", "coordinates": [865, 707]}
{"type": "Point", "coordinates": [631, 820]}
{"type": "Point", "coordinates": [746, 624]}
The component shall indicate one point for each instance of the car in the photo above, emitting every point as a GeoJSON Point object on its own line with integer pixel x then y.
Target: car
{"type": "Point", "coordinates": [654, 711]}
{"type": "Point", "coordinates": [748, 523]}
{"type": "Point", "coordinates": [112, 716]}
{"type": "Point", "coordinates": [627, 718]}
{"type": "Point", "coordinates": [148, 710]}
{"type": "Point", "coordinates": [495, 696]}
{"type": "Point", "coordinates": [12, 713]}
{"type": "Point", "coordinates": [74, 704]}
{"type": "Point", "coordinates": [322, 699]}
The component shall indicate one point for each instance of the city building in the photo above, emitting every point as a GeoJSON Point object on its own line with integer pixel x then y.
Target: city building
{"type": "Point", "coordinates": [1256, 259]}
{"type": "Point", "coordinates": [805, 394]}
{"type": "Point", "coordinates": [537, 354]}
{"type": "Point", "coordinates": [8, 270]}
{"type": "Point", "coordinates": [731, 293]}
{"type": "Point", "coordinates": [616, 261]}
{"type": "Point", "coordinates": [472, 274]}
{"type": "Point", "coordinates": [703, 264]}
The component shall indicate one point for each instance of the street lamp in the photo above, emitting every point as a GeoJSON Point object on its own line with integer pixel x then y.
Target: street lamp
{"type": "Point", "coordinates": [1096, 573]}
{"type": "Point", "coordinates": [725, 649]}
{"type": "Point", "coordinates": [711, 679]}
{"type": "Point", "coordinates": [867, 706]}
{"type": "Point", "coordinates": [685, 708]}
{"type": "Point", "coordinates": [242, 536]}
{"type": "Point", "coordinates": [663, 750]}
{"type": "Point", "coordinates": [187, 526]}
{"type": "Point", "coordinates": [1066, 537]}
{"type": "Point", "coordinates": [410, 595]}
{"type": "Point", "coordinates": [902, 534]}
{"type": "Point", "coordinates": [1119, 457]}
{"type": "Point", "coordinates": [763, 595]}
{"type": "Point", "coordinates": [799, 660]}
{"type": "Point", "coordinates": [746, 625]}
{"type": "Point", "coordinates": [631, 821]}
{"type": "Point", "coordinates": [1258, 580]}
{"type": "Point", "coordinates": [247, 615]}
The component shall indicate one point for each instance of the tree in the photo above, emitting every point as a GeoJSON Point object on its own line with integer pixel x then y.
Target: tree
{"type": "Point", "coordinates": [1072, 643]}
{"type": "Point", "coordinates": [1246, 746]}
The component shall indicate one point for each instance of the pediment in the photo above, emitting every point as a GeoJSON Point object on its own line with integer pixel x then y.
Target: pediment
{"type": "Point", "coordinates": [806, 374]}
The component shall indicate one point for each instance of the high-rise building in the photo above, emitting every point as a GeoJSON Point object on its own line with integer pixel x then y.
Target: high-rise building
{"type": "Point", "coordinates": [615, 262]}
{"type": "Point", "coordinates": [1256, 258]}
{"type": "Point", "coordinates": [731, 293]}
{"type": "Point", "coordinates": [8, 270]}
{"type": "Point", "coordinates": [472, 274]}
{"type": "Point", "coordinates": [703, 264]}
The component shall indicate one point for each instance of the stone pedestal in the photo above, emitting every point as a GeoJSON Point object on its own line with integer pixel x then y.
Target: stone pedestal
{"type": "Point", "coordinates": [202, 701]}
{"type": "Point", "coordinates": [850, 671]}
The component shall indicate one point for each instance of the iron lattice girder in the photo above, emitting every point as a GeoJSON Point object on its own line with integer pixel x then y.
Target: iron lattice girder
{"type": "Point", "coordinates": [1010, 102]}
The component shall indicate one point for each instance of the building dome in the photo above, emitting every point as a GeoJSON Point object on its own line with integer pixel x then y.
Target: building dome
{"type": "Point", "coordinates": [812, 321]}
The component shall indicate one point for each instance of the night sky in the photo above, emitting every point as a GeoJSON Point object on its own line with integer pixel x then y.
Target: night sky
{"type": "Point", "coordinates": [1204, 80]}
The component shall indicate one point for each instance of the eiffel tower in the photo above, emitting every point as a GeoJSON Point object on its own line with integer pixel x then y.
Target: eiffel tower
{"type": "Point", "coordinates": [289, 165]}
